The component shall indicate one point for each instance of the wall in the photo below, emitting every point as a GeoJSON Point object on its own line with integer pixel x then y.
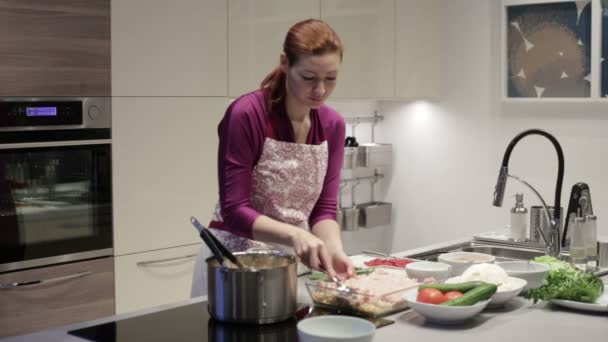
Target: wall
{"type": "Point", "coordinates": [447, 154]}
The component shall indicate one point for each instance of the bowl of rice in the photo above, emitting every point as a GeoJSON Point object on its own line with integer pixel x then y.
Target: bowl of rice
{"type": "Point", "coordinates": [508, 287]}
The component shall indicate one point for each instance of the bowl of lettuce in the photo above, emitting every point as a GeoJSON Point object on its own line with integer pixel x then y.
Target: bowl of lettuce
{"type": "Point", "coordinates": [566, 282]}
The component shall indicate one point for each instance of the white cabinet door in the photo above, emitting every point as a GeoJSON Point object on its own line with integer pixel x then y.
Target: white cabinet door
{"type": "Point", "coordinates": [256, 30]}
{"type": "Point", "coordinates": [164, 169]}
{"type": "Point", "coordinates": [154, 278]}
{"type": "Point", "coordinates": [418, 37]}
{"type": "Point", "coordinates": [367, 29]}
{"type": "Point", "coordinates": [169, 48]}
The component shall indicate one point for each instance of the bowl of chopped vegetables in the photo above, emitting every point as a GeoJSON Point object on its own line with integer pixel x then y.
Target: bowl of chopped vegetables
{"type": "Point", "coordinates": [450, 303]}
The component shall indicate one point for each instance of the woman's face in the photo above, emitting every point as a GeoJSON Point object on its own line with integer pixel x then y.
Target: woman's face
{"type": "Point", "coordinates": [312, 79]}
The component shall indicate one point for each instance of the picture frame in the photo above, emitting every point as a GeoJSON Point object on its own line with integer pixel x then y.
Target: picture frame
{"type": "Point", "coordinates": [554, 51]}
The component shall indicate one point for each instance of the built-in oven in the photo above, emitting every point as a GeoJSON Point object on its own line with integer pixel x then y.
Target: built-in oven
{"type": "Point", "coordinates": [55, 181]}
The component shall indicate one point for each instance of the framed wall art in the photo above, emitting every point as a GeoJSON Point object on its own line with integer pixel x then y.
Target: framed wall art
{"type": "Point", "coordinates": [554, 50]}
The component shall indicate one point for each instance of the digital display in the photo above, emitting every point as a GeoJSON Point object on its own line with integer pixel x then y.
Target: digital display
{"type": "Point", "coordinates": [41, 111]}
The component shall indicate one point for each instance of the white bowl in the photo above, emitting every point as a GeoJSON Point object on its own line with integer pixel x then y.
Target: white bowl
{"type": "Point", "coordinates": [532, 272]}
{"type": "Point", "coordinates": [504, 294]}
{"type": "Point", "coordinates": [460, 261]}
{"type": "Point", "coordinates": [443, 314]}
{"type": "Point", "coordinates": [335, 328]}
{"type": "Point", "coordinates": [421, 270]}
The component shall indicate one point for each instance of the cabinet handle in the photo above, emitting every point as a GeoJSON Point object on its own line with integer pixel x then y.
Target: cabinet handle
{"type": "Point", "coordinates": [9, 286]}
{"type": "Point", "coordinates": [152, 262]}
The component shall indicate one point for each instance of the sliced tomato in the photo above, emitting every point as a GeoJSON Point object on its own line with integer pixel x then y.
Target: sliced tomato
{"type": "Point", "coordinates": [430, 296]}
{"type": "Point", "coordinates": [388, 262]}
{"type": "Point", "coordinates": [452, 295]}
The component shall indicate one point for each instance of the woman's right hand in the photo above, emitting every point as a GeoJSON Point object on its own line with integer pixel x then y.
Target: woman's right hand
{"type": "Point", "coordinates": [312, 252]}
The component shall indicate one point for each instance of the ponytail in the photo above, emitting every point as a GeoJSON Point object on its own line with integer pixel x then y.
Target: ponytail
{"type": "Point", "coordinates": [274, 84]}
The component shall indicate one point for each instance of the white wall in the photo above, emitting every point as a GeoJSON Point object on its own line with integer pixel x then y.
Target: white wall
{"type": "Point", "coordinates": [447, 154]}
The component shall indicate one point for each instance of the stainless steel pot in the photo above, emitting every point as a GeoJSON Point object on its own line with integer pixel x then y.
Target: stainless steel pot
{"type": "Point", "coordinates": [264, 292]}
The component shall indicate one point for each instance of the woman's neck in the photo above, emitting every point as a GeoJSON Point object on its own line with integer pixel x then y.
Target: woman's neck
{"type": "Point", "coordinates": [296, 112]}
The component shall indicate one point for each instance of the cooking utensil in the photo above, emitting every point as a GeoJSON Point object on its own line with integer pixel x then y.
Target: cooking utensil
{"type": "Point", "coordinates": [380, 254]}
{"type": "Point", "coordinates": [217, 248]}
{"type": "Point", "coordinates": [340, 287]}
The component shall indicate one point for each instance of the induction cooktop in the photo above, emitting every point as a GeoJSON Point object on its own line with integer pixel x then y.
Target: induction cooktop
{"type": "Point", "coordinates": [192, 323]}
{"type": "Point", "coordinates": [185, 324]}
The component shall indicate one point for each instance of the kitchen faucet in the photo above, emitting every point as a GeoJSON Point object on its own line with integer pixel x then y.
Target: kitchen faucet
{"type": "Point", "coordinates": [552, 242]}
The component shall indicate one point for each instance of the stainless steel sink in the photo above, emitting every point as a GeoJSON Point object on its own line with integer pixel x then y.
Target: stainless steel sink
{"type": "Point", "coordinates": [505, 253]}
{"type": "Point", "coordinates": [502, 253]}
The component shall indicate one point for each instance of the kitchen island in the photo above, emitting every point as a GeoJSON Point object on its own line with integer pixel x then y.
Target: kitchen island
{"type": "Point", "coordinates": [519, 320]}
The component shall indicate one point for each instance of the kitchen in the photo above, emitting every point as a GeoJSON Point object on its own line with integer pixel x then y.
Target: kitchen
{"type": "Point", "coordinates": [161, 82]}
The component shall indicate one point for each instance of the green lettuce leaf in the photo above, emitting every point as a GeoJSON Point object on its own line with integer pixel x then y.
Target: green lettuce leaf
{"type": "Point", "coordinates": [564, 281]}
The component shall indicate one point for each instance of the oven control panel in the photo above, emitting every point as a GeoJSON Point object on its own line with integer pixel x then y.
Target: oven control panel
{"type": "Point", "coordinates": [18, 114]}
{"type": "Point", "coordinates": [46, 113]}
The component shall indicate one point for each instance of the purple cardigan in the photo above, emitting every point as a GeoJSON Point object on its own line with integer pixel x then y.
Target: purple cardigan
{"type": "Point", "coordinates": [242, 133]}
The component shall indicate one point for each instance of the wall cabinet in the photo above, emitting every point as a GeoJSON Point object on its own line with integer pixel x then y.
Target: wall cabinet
{"type": "Point", "coordinates": [154, 278]}
{"type": "Point", "coordinates": [169, 48]}
{"type": "Point", "coordinates": [367, 30]}
{"type": "Point", "coordinates": [164, 169]}
{"type": "Point", "coordinates": [418, 48]}
{"type": "Point", "coordinates": [256, 31]}
{"type": "Point", "coordinates": [55, 48]}
{"type": "Point", "coordinates": [66, 294]}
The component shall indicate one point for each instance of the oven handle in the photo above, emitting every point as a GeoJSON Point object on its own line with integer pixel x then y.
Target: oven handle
{"type": "Point", "coordinates": [152, 262]}
{"type": "Point", "coordinates": [10, 286]}
{"type": "Point", "coordinates": [55, 144]}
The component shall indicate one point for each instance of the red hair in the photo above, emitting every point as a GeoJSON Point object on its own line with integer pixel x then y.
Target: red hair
{"type": "Point", "coordinates": [311, 37]}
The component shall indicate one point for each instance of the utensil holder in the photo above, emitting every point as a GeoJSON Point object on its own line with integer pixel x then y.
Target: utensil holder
{"type": "Point", "coordinates": [374, 155]}
{"type": "Point", "coordinates": [375, 214]}
{"type": "Point", "coordinates": [350, 158]}
{"type": "Point", "coordinates": [351, 219]}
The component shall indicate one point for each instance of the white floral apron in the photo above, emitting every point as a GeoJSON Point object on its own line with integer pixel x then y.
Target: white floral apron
{"type": "Point", "coordinates": [287, 182]}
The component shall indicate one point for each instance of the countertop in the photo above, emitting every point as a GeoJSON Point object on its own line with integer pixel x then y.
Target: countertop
{"type": "Point", "coordinates": [520, 320]}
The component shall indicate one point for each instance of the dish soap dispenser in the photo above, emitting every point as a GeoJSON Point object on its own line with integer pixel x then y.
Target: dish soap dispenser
{"type": "Point", "coordinates": [519, 219]}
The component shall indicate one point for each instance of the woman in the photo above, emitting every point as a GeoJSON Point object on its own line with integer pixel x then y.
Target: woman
{"type": "Point", "coordinates": [280, 154]}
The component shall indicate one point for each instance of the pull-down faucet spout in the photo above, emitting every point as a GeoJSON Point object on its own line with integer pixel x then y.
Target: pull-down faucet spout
{"type": "Point", "coordinates": [553, 241]}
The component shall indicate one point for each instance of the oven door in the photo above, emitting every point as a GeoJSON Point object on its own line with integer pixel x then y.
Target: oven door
{"type": "Point", "coordinates": [55, 202]}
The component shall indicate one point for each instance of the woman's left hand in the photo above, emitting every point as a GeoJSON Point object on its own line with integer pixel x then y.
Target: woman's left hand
{"type": "Point", "coordinates": [342, 263]}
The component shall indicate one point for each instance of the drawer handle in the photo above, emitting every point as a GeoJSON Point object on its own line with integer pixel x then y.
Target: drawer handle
{"type": "Point", "coordinates": [9, 286]}
{"type": "Point", "coordinates": [152, 262]}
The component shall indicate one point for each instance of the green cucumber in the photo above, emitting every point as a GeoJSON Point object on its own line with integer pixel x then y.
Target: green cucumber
{"type": "Point", "coordinates": [460, 287]}
{"type": "Point", "coordinates": [481, 292]}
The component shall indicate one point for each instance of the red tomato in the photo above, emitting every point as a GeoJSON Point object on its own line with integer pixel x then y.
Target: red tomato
{"type": "Point", "coordinates": [452, 294]}
{"type": "Point", "coordinates": [430, 296]}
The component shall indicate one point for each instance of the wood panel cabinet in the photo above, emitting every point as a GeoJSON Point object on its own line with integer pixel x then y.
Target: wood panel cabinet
{"type": "Point", "coordinates": [256, 32]}
{"type": "Point", "coordinates": [55, 48]}
{"type": "Point", "coordinates": [154, 278]}
{"type": "Point", "coordinates": [164, 169]}
{"type": "Point", "coordinates": [367, 30]}
{"type": "Point", "coordinates": [66, 294]}
{"type": "Point", "coordinates": [169, 48]}
{"type": "Point", "coordinates": [418, 48]}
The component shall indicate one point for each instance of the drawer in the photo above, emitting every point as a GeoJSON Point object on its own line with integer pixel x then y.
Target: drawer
{"type": "Point", "coordinates": [66, 294]}
{"type": "Point", "coordinates": [154, 278]}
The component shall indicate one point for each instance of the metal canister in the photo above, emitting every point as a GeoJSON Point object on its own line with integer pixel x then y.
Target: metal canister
{"type": "Point", "coordinates": [264, 292]}
{"type": "Point", "coordinates": [538, 219]}
{"type": "Point", "coordinates": [602, 252]}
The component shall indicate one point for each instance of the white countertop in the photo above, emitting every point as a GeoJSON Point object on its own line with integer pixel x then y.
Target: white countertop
{"type": "Point", "coordinates": [520, 320]}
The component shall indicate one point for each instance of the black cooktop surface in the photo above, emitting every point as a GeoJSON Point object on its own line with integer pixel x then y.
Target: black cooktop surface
{"type": "Point", "coordinates": [185, 324]}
